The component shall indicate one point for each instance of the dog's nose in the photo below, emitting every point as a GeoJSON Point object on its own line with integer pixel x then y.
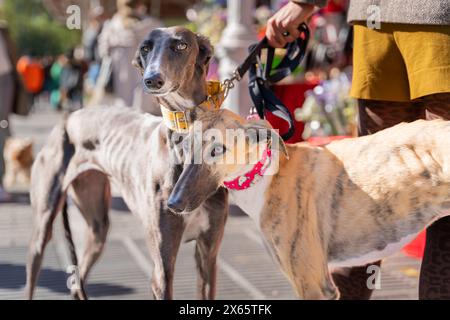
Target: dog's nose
{"type": "Point", "coordinates": [154, 81]}
{"type": "Point", "coordinates": [175, 204]}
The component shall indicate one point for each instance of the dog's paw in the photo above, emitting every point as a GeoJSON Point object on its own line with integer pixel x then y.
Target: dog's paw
{"type": "Point", "coordinates": [326, 292]}
{"type": "Point", "coordinates": [330, 293]}
{"type": "Point", "coordinates": [329, 289]}
{"type": "Point", "coordinates": [335, 295]}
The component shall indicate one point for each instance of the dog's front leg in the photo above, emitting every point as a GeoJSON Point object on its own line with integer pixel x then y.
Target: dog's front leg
{"type": "Point", "coordinates": [314, 284]}
{"type": "Point", "coordinates": [164, 237]}
{"type": "Point", "coordinates": [208, 243]}
{"type": "Point", "coordinates": [308, 272]}
{"type": "Point", "coordinates": [300, 252]}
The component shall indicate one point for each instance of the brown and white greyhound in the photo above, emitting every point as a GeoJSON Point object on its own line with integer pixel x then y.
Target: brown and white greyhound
{"type": "Point", "coordinates": [350, 203]}
{"type": "Point", "coordinates": [143, 158]}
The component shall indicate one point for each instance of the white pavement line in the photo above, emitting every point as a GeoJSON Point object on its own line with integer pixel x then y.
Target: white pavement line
{"type": "Point", "coordinates": [240, 280]}
{"type": "Point", "coordinates": [143, 263]}
{"type": "Point", "coordinates": [253, 235]}
{"type": "Point", "coordinates": [257, 237]}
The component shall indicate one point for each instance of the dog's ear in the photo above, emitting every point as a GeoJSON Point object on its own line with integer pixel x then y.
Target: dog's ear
{"type": "Point", "coordinates": [270, 134]}
{"type": "Point", "coordinates": [137, 61]}
{"type": "Point", "coordinates": [205, 50]}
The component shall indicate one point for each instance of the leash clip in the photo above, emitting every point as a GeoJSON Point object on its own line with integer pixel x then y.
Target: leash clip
{"type": "Point", "coordinates": [229, 84]}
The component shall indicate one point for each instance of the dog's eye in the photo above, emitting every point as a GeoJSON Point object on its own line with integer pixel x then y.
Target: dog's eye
{"type": "Point", "coordinates": [180, 46]}
{"type": "Point", "coordinates": [145, 49]}
{"type": "Point", "coordinates": [217, 150]}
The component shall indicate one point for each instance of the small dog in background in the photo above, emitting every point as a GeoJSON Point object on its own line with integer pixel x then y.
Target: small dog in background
{"type": "Point", "coordinates": [18, 154]}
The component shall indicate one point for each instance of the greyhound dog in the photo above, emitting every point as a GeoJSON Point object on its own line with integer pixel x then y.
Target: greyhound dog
{"type": "Point", "coordinates": [350, 203]}
{"type": "Point", "coordinates": [137, 152]}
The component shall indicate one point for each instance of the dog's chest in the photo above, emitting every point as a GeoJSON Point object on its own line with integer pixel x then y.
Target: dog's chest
{"type": "Point", "coordinates": [195, 223]}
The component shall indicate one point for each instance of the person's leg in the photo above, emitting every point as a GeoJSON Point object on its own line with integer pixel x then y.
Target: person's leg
{"type": "Point", "coordinates": [434, 280]}
{"type": "Point", "coordinates": [373, 116]}
{"type": "Point", "coordinates": [376, 115]}
{"type": "Point", "coordinates": [437, 106]}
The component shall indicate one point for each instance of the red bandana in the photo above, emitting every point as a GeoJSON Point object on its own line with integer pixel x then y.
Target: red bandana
{"type": "Point", "coordinates": [248, 179]}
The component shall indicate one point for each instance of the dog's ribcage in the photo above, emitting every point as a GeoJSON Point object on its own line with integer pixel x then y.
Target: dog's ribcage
{"type": "Point", "coordinates": [130, 148]}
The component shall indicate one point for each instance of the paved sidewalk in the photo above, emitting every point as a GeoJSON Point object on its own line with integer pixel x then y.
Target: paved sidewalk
{"type": "Point", "coordinates": [246, 271]}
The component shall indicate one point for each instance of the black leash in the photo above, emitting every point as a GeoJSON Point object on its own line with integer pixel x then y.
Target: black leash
{"type": "Point", "coordinates": [262, 76]}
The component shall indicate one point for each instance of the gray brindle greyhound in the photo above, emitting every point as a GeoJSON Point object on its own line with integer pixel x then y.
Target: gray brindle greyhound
{"type": "Point", "coordinates": [137, 152]}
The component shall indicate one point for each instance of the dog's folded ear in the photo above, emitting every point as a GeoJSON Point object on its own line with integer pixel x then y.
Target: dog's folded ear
{"type": "Point", "coordinates": [137, 61]}
{"type": "Point", "coordinates": [206, 50]}
{"type": "Point", "coordinates": [263, 127]}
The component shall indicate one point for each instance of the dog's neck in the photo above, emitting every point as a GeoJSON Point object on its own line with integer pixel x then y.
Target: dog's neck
{"type": "Point", "coordinates": [252, 199]}
{"type": "Point", "coordinates": [185, 97]}
{"type": "Point", "coordinates": [182, 100]}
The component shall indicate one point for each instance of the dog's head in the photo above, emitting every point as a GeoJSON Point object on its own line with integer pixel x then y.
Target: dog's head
{"type": "Point", "coordinates": [19, 151]}
{"type": "Point", "coordinates": [222, 146]}
{"type": "Point", "coordinates": [170, 58]}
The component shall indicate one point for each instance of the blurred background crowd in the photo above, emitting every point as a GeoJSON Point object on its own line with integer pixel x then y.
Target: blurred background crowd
{"type": "Point", "coordinates": [45, 64]}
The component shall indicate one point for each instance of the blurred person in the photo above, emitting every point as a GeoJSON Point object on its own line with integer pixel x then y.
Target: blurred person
{"type": "Point", "coordinates": [55, 76]}
{"type": "Point", "coordinates": [401, 73]}
{"type": "Point", "coordinates": [48, 83]}
{"type": "Point", "coordinates": [118, 42]}
{"type": "Point", "coordinates": [90, 43]}
{"type": "Point", "coordinates": [32, 73]}
{"type": "Point", "coordinates": [71, 82]}
{"type": "Point", "coordinates": [47, 63]}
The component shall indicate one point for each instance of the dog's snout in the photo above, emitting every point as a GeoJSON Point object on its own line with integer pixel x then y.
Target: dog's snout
{"type": "Point", "coordinates": [176, 204]}
{"type": "Point", "coordinates": [154, 81]}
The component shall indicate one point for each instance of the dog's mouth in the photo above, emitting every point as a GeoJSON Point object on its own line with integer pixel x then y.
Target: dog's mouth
{"type": "Point", "coordinates": [163, 91]}
{"type": "Point", "coordinates": [157, 93]}
{"type": "Point", "coordinates": [180, 212]}
{"type": "Point", "coordinates": [174, 211]}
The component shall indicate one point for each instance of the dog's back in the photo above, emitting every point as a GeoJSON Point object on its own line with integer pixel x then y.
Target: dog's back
{"type": "Point", "coordinates": [417, 146]}
{"type": "Point", "coordinates": [102, 121]}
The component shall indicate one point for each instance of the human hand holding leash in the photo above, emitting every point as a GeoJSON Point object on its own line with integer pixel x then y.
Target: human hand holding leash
{"type": "Point", "coordinates": [282, 26]}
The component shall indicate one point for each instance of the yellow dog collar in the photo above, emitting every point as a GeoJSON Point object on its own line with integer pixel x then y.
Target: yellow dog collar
{"type": "Point", "coordinates": [178, 121]}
